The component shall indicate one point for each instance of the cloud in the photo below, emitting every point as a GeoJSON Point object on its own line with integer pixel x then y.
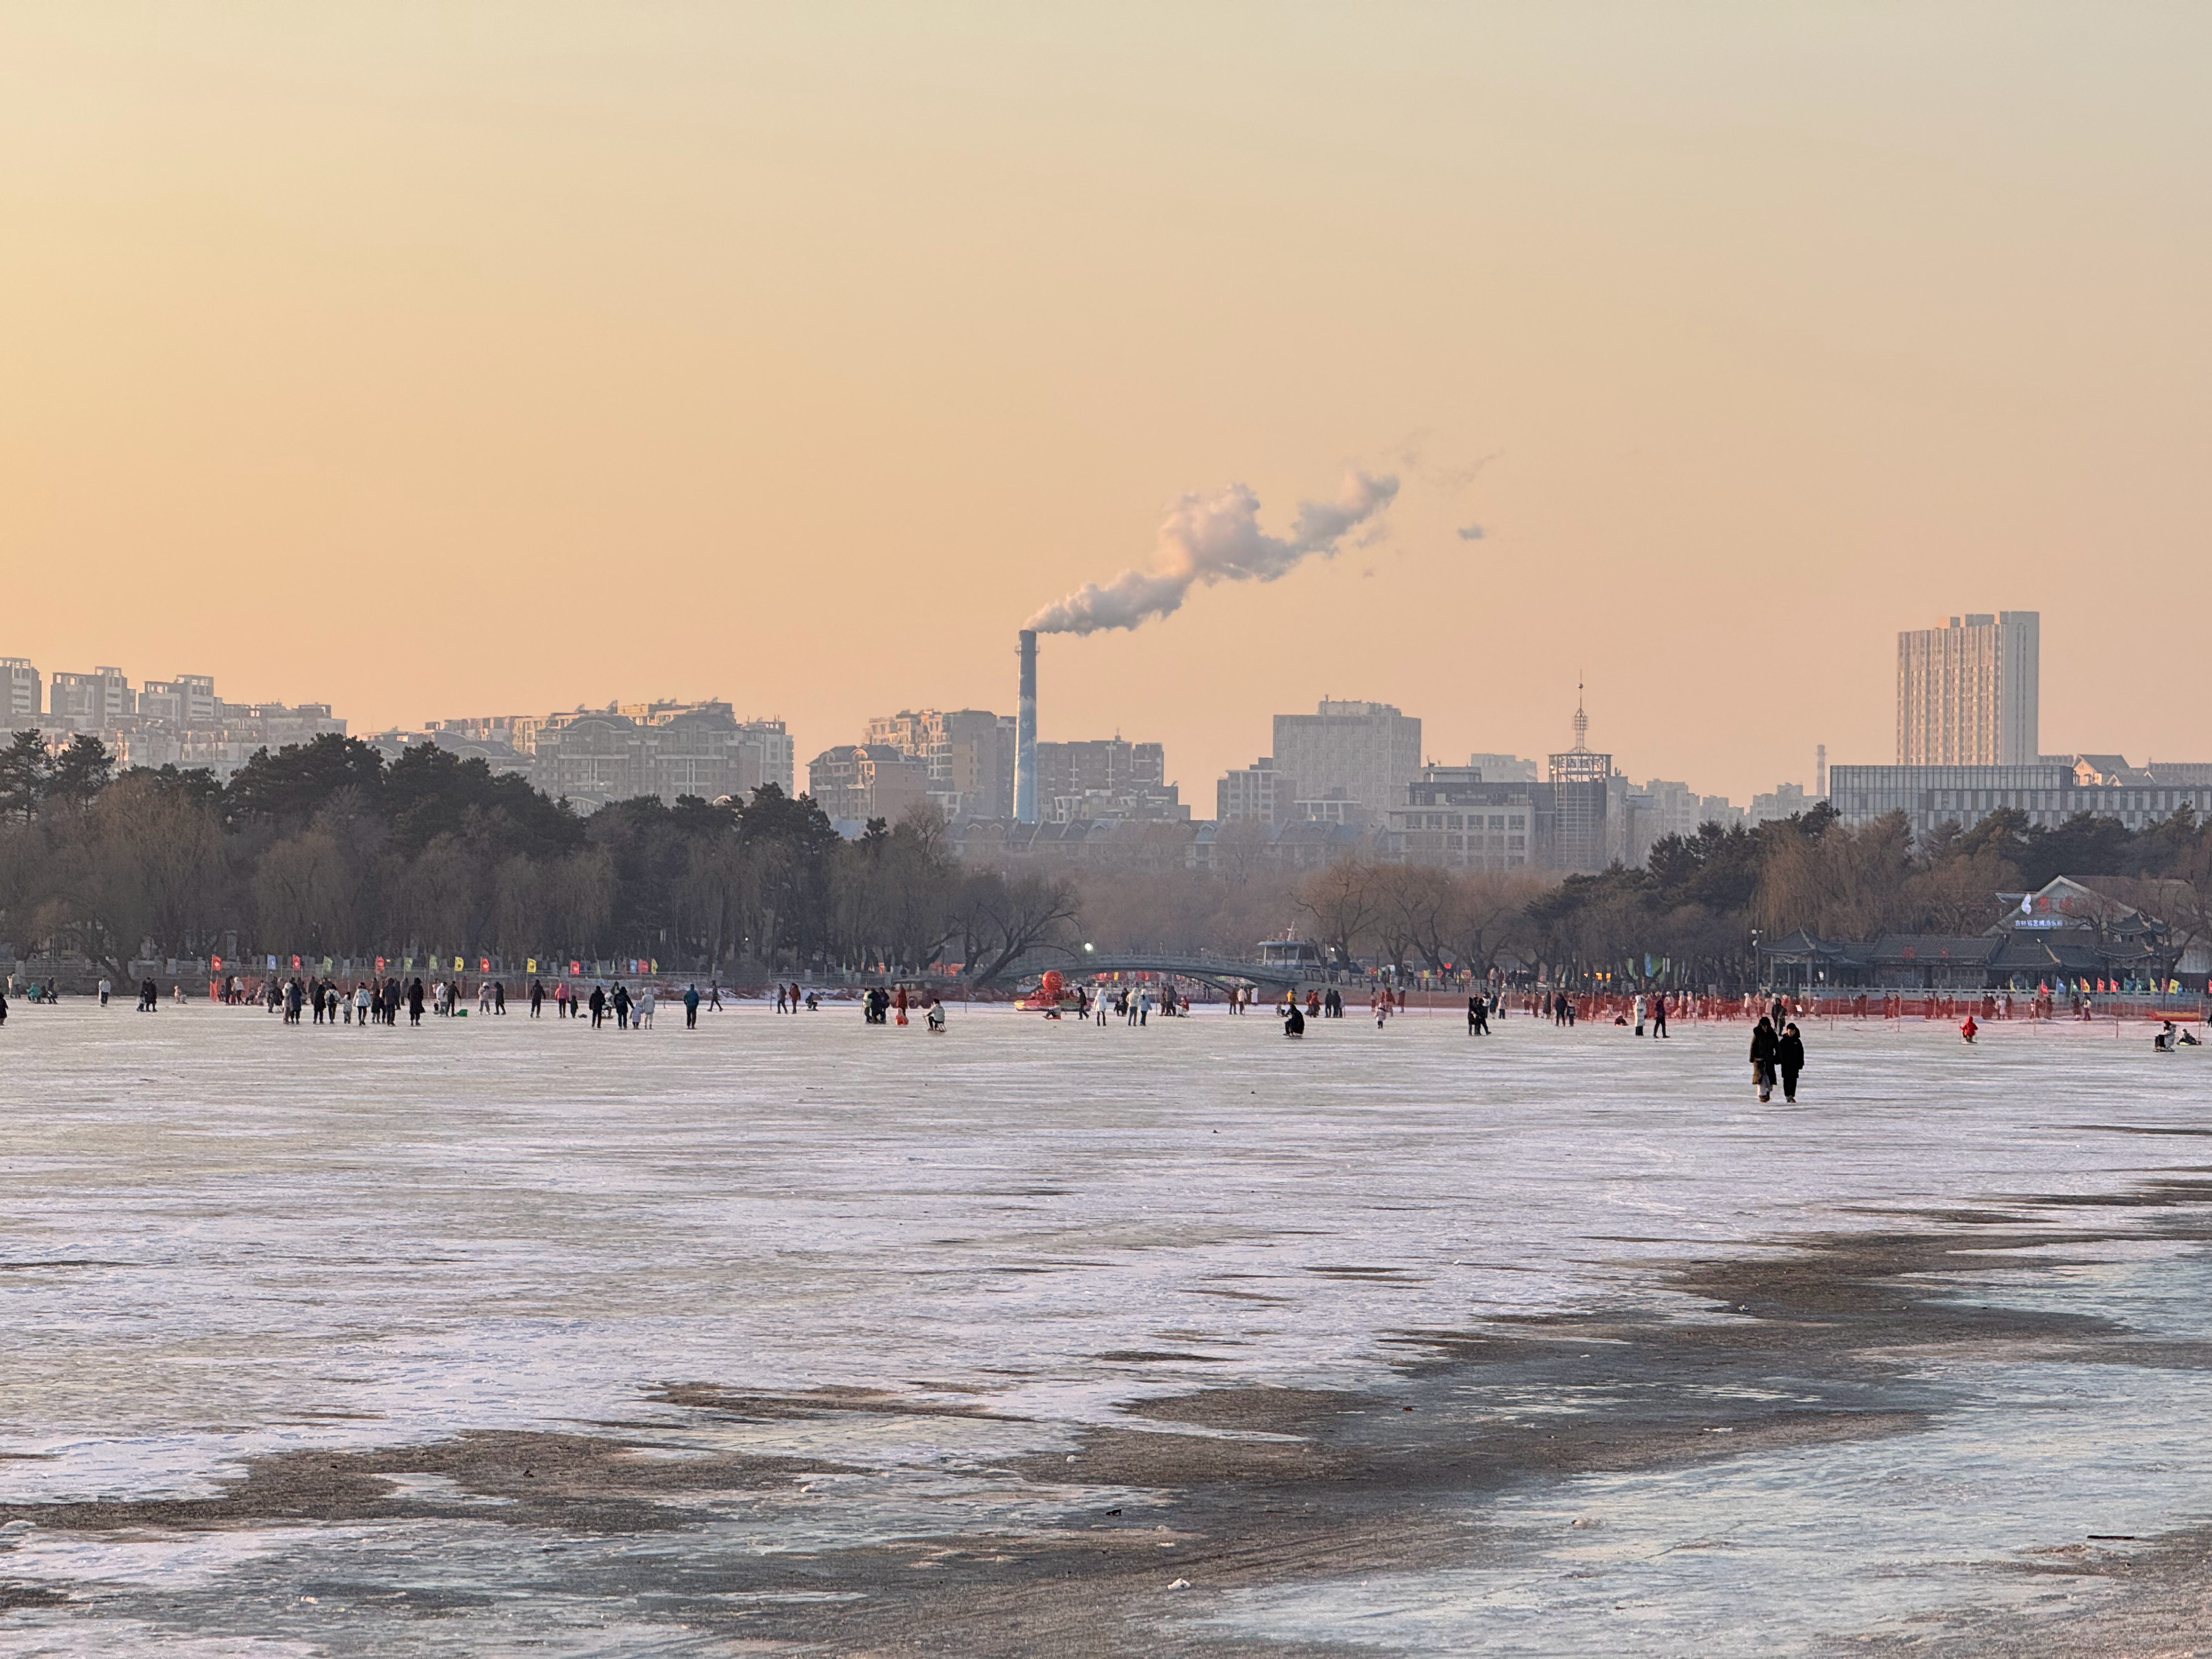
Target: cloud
{"type": "Point", "coordinates": [1206, 539]}
{"type": "Point", "coordinates": [1471, 533]}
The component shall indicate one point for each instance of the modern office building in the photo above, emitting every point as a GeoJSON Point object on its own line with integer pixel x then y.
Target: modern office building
{"type": "Point", "coordinates": [1586, 834]}
{"type": "Point", "coordinates": [1967, 692]}
{"type": "Point", "coordinates": [1458, 817]}
{"type": "Point", "coordinates": [1364, 753]}
{"type": "Point", "coordinates": [2053, 790]}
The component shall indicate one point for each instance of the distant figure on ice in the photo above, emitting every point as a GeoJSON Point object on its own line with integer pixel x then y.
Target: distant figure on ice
{"type": "Point", "coordinates": [1477, 1017]}
{"type": "Point", "coordinates": [1294, 1021]}
{"type": "Point", "coordinates": [935, 1017]}
{"type": "Point", "coordinates": [599, 1006]}
{"type": "Point", "coordinates": [415, 1001]}
{"type": "Point", "coordinates": [1790, 1060]}
{"type": "Point", "coordinates": [691, 1006]}
{"type": "Point", "coordinates": [1763, 1047]}
{"type": "Point", "coordinates": [1659, 1015]}
{"type": "Point", "coordinates": [1967, 1028]}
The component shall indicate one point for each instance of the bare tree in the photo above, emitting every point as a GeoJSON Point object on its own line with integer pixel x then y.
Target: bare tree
{"type": "Point", "coordinates": [1342, 900]}
{"type": "Point", "coordinates": [1001, 919]}
{"type": "Point", "coordinates": [1413, 903]}
{"type": "Point", "coordinates": [1488, 918]}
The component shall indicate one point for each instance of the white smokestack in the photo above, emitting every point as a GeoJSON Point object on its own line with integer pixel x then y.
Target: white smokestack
{"type": "Point", "coordinates": [1026, 738]}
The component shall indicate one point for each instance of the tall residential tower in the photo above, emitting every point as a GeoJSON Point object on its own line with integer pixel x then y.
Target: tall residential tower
{"type": "Point", "coordinates": [1966, 692]}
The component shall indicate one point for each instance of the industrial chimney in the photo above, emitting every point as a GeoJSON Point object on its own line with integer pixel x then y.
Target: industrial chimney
{"type": "Point", "coordinates": [1025, 800]}
{"type": "Point", "coordinates": [1820, 771]}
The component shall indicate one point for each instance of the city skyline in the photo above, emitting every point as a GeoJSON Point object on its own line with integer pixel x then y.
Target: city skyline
{"type": "Point", "coordinates": [412, 367]}
{"type": "Point", "coordinates": [968, 768]}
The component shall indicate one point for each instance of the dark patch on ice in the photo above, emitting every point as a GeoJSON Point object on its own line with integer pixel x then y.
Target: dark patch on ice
{"type": "Point", "coordinates": [27, 1267]}
{"type": "Point", "coordinates": [29, 1595]}
{"type": "Point", "coordinates": [818, 1402]}
{"type": "Point", "coordinates": [2137, 1128]}
{"type": "Point", "coordinates": [571, 1483]}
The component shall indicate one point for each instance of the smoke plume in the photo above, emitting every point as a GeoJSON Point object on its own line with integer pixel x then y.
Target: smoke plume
{"type": "Point", "coordinates": [1215, 538]}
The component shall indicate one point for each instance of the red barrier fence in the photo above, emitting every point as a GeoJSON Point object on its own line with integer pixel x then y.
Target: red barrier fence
{"type": "Point", "coordinates": [1983, 1005]}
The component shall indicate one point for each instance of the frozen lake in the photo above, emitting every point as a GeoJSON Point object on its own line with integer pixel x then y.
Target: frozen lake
{"type": "Point", "coordinates": [815, 1330]}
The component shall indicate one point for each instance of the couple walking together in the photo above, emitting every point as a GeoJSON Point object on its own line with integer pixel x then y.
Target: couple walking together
{"type": "Point", "coordinates": [1773, 1051]}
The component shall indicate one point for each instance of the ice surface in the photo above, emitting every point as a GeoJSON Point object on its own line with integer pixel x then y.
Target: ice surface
{"type": "Point", "coordinates": [223, 1238]}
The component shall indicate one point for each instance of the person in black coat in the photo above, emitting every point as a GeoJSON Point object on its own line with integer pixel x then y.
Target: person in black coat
{"type": "Point", "coordinates": [1789, 1059]}
{"type": "Point", "coordinates": [1763, 1045]}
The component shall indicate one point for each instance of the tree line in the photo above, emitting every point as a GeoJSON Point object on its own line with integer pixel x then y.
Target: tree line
{"type": "Point", "coordinates": [1689, 914]}
{"type": "Point", "coordinates": [326, 849]}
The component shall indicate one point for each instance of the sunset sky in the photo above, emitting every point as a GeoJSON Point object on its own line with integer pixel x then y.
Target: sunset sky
{"type": "Point", "coordinates": [440, 359]}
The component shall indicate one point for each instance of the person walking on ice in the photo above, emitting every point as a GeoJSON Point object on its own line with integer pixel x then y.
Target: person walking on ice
{"type": "Point", "coordinates": [1790, 1060]}
{"type": "Point", "coordinates": [1763, 1046]}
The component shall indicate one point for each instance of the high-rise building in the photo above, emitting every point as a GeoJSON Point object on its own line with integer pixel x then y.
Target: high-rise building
{"type": "Point", "coordinates": [1967, 692]}
{"type": "Point", "coordinates": [1583, 834]}
{"type": "Point", "coordinates": [1362, 753]}
{"type": "Point", "coordinates": [969, 753]}
{"type": "Point", "coordinates": [22, 692]}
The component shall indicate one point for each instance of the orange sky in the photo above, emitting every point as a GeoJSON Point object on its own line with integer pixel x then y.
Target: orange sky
{"type": "Point", "coordinates": [438, 360]}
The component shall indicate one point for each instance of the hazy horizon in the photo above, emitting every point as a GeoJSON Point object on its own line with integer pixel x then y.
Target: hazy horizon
{"type": "Point", "coordinates": [499, 359]}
